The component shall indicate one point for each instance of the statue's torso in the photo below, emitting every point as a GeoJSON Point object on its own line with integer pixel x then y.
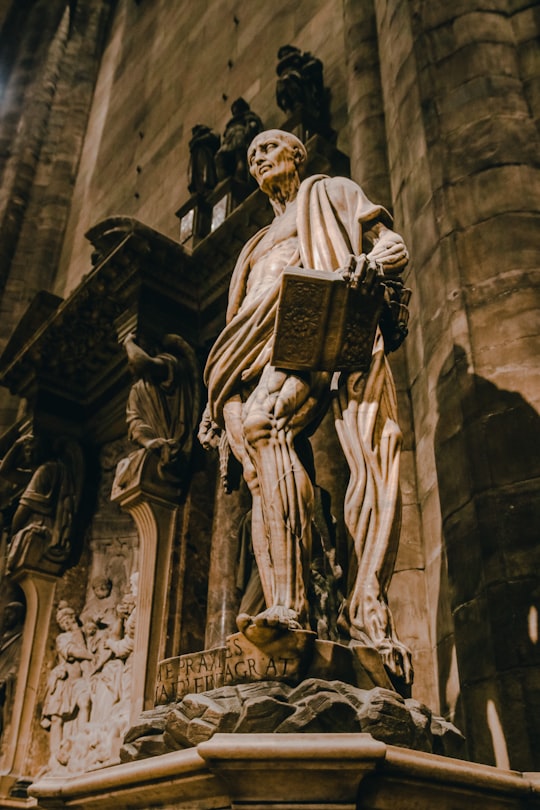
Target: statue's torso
{"type": "Point", "coordinates": [273, 253]}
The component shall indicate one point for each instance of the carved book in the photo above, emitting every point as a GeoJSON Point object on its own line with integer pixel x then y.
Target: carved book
{"type": "Point", "coordinates": [322, 324]}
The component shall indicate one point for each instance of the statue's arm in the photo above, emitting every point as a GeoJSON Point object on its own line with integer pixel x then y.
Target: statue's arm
{"type": "Point", "coordinates": [388, 249]}
{"type": "Point", "coordinates": [142, 363]}
{"type": "Point", "coordinates": [209, 433]}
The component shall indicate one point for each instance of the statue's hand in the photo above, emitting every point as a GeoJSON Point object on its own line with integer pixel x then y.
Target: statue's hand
{"type": "Point", "coordinates": [361, 273]}
{"type": "Point", "coordinates": [25, 437]}
{"type": "Point", "coordinates": [389, 252]}
{"type": "Point", "coordinates": [209, 433]}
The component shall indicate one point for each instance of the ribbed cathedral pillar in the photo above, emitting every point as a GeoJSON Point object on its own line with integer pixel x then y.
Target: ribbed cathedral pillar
{"type": "Point", "coordinates": [368, 144]}
{"type": "Point", "coordinates": [463, 151]}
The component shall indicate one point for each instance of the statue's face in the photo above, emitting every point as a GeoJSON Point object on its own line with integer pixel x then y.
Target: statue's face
{"type": "Point", "coordinates": [102, 588]}
{"type": "Point", "coordinates": [67, 621]}
{"type": "Point", "coordinates": [12, 617]}
{"type": "Point", "coordinates": [31, 451]}
{"type": "Point", "coordinates": [271, 156]}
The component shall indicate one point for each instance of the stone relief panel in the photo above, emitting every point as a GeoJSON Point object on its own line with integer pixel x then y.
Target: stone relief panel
{"type": "Point", "coordinates": [86, 705]}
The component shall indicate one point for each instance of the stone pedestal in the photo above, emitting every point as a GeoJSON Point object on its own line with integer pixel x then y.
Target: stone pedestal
{"type": "Point", "coordinates": [39, 589]}
{"type": "Point", "coordinates": [347, 771]}
{"type": "Point", "coordinates": [154, 505]}
{"type": "Point", "coordinates": [223, 601]}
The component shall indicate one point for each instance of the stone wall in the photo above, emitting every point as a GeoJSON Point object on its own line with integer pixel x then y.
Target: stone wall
{"type": "Point", "coordinates": [167, 67]}
{"type": "Point", "coordinates": [437, 105]}
{"type": "Point", "coordinates": [463, 154]}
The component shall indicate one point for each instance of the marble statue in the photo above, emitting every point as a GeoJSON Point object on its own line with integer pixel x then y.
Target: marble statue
{"type": "Point", "coordinates": [266, 412]}
{"type": "Point", "coordinates": [163, 402]}
{"type": "Point", "coordinates": [10, 645]}
{"type": "Point", "coordinates": [41, 529]}
{"type": "Point", "coordinates": [239, 132]}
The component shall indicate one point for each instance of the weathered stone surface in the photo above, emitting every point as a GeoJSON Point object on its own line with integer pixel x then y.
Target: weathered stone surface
{"type": "Point", "coordinates": [422, 718]}
{"type": "Point", "coordinates": [329, 712]}
{"type": "Point", "coordinates": [151, 746]}
{"type": "Point", "coordinates": [446, 738]}
{"type": "Point", "coordinates": [149, 722]}
{"type": "Point", "coordinates": [262, 714]}
{"type": "Point", "coordinates": [177, 728]}
{"type": "Point", "coordinates": [314, 706]}
{"type": "Point", "coordinates": [385, 716]}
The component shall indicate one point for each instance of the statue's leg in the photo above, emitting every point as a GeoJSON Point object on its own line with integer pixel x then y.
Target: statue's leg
{"type": "Point", "coordinates": [277, 410]}
{"type": "Point", "coordinates": [232, 414]}
{"type": "Point", "coordinates": [366, 423]}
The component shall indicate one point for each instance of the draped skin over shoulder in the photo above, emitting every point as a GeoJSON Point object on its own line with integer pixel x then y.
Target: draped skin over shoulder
{"type": "Point", "coordinates": [331, 216]}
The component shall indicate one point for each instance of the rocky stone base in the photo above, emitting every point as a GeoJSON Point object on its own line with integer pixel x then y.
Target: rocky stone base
{"type": "Point", "coordinates": [315, 706]}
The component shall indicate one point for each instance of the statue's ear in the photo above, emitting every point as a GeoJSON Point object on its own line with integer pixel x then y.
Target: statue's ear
{"type": "Point", "coordinates": [299, 156]}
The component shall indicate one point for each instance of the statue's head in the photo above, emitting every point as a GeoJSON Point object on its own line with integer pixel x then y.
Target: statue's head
{"type": "Point", "coordinates": [34, 450]}
{"type": "Point", "coordinates": [274, 156]}
{"type": "Point", "coordinates": [102, 587]}
{"type": "Point", "coordinates": [65, 616]}
{"type": "Point", "coordinates": [239, 106]}
{"type": "Point", "coordinates": [13, 615]}
{"type": "Point", "coordinates": [126, 606]}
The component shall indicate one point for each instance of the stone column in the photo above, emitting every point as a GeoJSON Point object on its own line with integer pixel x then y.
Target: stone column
{"type": "Point", "coordinates": [39, 589]}
{"type": "Point", "coordinates": [155, 507]}
{"type": "Point", "coordinates": [370, 168]}
{"type": "Point", "coordinates": [223, 602]}
{"type": "Point", "coordinates": [367, 133]}
{"type": "Point", "coordinates": [463, 147]}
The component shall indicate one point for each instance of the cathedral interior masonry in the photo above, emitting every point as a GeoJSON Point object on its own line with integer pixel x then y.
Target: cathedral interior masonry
{"type": "Point", "coordinates": [269, 404]}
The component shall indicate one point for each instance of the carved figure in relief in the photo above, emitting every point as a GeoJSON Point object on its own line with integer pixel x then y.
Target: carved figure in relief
{"type": "Point", "coordinates": [101, 605]}
{"type": "Point", "coordinates": [66, 708]}
{"type": "Point", "coordinates": [42, 525]}
{"type": "Point", "coordinates": [231, 158]}
{"type": "Point", "coordinates": [121, 641]}
{"type": "Point", "coordinates": [202, 167]}
{"type": "Point", "coordinates": [267, 413]}
{"type": "Point", "coordinates": [10, 645]}
{"type": "Point", "coordinates": [163, 403]}
{"type": "Point", "coordinates": [104, 674]}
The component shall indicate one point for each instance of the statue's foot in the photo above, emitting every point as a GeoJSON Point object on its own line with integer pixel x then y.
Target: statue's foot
{"type": "Point", "coordinates": [397, 659]}
{"type": "Point", "coordinates": [268, 625]}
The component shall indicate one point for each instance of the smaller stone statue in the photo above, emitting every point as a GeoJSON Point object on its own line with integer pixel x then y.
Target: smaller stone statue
{"type": "Point", "coordinates": [231, 157]}
{"type": "Point", "coordinates": [10, 645]}
{"type": "Point", "coordinates": [121, 643]}
{"type": "Point", "coordinates": [66, 708]}
{"type": "Point", "coordinates": [202, 169]}
{"type": "Point", "coordinates": [41, 529]}
{"type": "Point", "coordinates": [300, 84]}
{"type": "Point", "coordinates": [163, 403]}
